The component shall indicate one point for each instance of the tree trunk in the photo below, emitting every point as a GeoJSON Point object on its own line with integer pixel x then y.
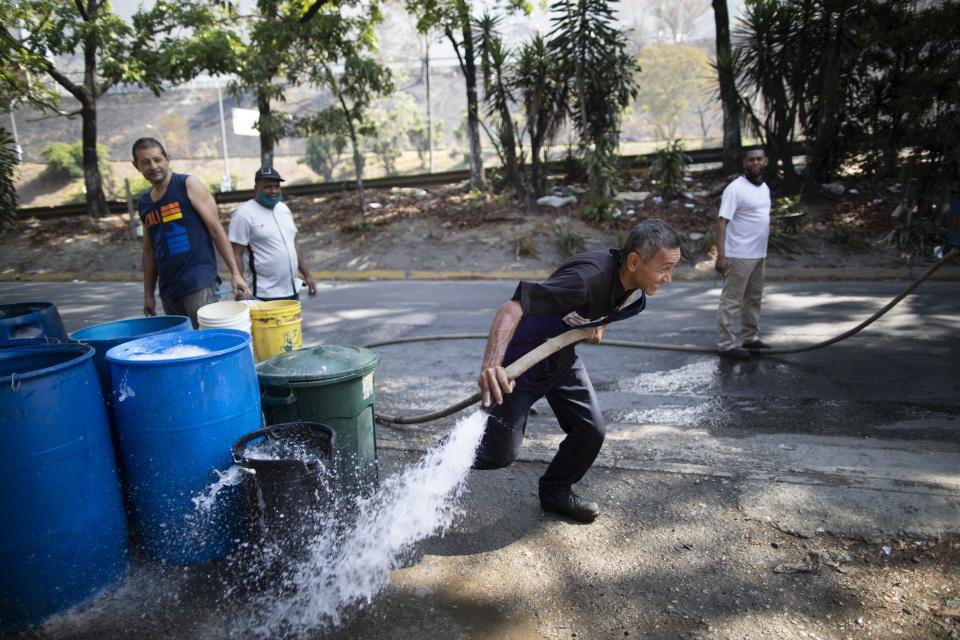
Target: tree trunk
{"type": "Point", "coordinates": [266, 130]}
{"type": "Point", "coordinates": [357, 156]}
{"type": "Point", "coordinates": [822, 155]}
{"type": "Point", "coordinates": [508, 139]}
{"type": "Point", "coordinates": [728, 89]}
{"type": "Point", "coordinates": [536, 181]}
{"type": "Point", "coordinates": [92, 181]}
{"type": "Point", "coordinates": [477, 178]}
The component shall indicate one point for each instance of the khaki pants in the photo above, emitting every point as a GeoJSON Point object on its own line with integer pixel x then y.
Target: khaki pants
{"type": "Point", "coordinates": [742, 292]}
{"type": "Point", "coordinates": [189, 304]}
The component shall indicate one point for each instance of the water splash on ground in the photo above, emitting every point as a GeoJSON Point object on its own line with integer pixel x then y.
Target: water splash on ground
{"type": "Point", "coordinates": [346, 566]}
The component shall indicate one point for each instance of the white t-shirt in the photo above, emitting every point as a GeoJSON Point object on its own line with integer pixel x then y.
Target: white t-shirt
{"type": "Point", "coordinates": [270, 238]}
{"type": "Point", "coordinates": [747, 207]}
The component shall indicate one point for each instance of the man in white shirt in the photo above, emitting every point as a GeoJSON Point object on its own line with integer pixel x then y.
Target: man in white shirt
{"type": "Point", "coordinates": [743, 227]}
{"type": "Point", "coordinates": [264, 227]}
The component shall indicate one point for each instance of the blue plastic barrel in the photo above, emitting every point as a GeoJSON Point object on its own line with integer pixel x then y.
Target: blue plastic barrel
{"type": "Point", "coordinates": [31, 320]}
{"type": "Point", "coordinates": [106, 336]}
{"type": "Point", "coordinates": [177, 416]}
{"type": "Point", "coordinates": [62, 531]}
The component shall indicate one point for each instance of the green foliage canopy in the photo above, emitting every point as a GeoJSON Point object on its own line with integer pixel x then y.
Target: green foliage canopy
{"type": "Point", "coordinates": [674, 78]}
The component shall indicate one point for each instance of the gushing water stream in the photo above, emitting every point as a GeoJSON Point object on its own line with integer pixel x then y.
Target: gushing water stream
{"type": "Point", "coordinates": [343, 568]}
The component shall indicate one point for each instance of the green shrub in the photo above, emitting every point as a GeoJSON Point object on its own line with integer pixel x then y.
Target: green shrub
{"type": "Point", "coordinates": [8, 193]}
{"type": "Point", "coordinates": [65, 161]}
{"type": "Point", "coordinates": [668, 168]}
{"type": "Point", "coordinates": [570, 241]}
{"type": "Point", "coordinates": [786, 215]}
{"type": "Point", "coordinates": [323, 153]}
{"type": "Point", "coordinates": [847, 236]}
{"type": "Point", "coordinates": [525, 247]}
{"type": "Point", "coordinates": [138, 186]}
{"type": "Point", "coordinates": [474, 200]}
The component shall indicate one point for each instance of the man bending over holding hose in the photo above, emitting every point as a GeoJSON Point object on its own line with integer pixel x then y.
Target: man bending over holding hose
{"type": "Point", "coordinates": [591, 289]}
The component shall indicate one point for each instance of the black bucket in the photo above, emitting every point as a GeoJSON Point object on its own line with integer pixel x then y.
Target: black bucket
{"type": "Point", "coordinates": [294, 479]}
{"type": "Point", "coordinates": [500, 444]}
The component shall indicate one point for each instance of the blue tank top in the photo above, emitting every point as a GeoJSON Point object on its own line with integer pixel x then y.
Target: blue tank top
{"type": "Point", "coordinates": [182, 246]}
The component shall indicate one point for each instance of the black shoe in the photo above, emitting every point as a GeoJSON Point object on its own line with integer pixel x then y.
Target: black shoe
{"type": "Point", "coordinates": [756, 345]}
{"type": "Point", "coordinates": [565, 502]}
{"type": "Point", "coordinates": [736, 353]}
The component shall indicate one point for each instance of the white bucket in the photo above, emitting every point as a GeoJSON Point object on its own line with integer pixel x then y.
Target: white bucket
{"type": "Point", "coordinates": [224, 315]}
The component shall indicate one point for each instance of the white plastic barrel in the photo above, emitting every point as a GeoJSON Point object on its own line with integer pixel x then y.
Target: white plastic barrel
{"type": "Point", "coordinates": [224, 315]}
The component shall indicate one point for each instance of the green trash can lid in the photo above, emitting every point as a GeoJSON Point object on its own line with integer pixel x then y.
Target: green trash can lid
{"type": "Point", "coordinates": [325, 364]}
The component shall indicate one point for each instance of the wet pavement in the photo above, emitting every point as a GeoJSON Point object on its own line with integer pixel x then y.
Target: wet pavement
{"type": "Point", "coordinates": [859, 440]}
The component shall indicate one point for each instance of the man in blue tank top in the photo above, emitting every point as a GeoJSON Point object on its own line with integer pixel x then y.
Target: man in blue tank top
{"type": "Point", "coordinates": [591, 289]}
{"type": "Point", "coordinates": [181, 228]}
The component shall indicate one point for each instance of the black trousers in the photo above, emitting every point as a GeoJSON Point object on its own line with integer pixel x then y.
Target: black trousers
{"type": "Point", "coordinates": [572, 398]}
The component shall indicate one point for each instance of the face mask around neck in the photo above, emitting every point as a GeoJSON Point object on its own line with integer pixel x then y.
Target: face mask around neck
{"type": "Point", "coordinates": [267, 201]}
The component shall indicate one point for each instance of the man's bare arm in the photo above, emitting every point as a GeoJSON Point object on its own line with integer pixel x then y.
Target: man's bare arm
{"type": "Point", "coordinates": [493, 380]}
{"type": "Point", "coordinates": [721, 233]}
{"type": "Point", "coordinates": [206, 208]}
{"type": "Point", "coordinates": [149, 276]}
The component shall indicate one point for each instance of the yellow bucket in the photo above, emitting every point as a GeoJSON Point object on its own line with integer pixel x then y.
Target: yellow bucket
{"type": "Point", "coordinates": [276, 327]}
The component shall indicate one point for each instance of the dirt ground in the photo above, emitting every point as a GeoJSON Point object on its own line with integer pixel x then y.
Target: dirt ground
{"type": "Point", "coordinates": [451, 229]}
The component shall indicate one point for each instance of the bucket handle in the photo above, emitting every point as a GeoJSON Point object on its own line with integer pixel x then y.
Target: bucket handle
{"type": "Point", "coordinates": [278, 400]}
{"type": "Point", "coordinates": [25, 319]}
{"type": "Point", "coordinates": [266, 432]}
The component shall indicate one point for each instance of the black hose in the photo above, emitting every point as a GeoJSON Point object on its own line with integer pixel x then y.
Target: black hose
{"type": "Point", "coordinates": [463, 404]}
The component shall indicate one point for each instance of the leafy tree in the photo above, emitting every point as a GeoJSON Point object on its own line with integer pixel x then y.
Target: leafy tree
{"type": "Point", "coordinates": [348, 43]}
{"type": "Point", "coordinates": [8, 192]}
{"type": "Point", "coordinates": [324, 152]}
{"type": "Point", "coordinates": [148, 51]}
{"type": "Point", "coordinates": [593, 52]}
{"type": "Point", "coordinates": [674, 77]}
{"type": "Point", "coordinates": [838, 24]}
{"type": "Point", "coordinates": [543, 90]}
{"type": "Point", "coordinates": [392, 119]}
{"type": "Point", "coordinates": [420, 136]}
{"type": "Point", "coordinates": [454, 17]}
{"type": "Point", "coordinates": [677, 16]}
{"type": "Point", "coordinates": [500, 98]}
{"type": "Point", "coordinates": [668, 169]}
{"type": "Point", "coordinates": [532, 77]}
{"type": "Point", "coordinates": [903, 96]}
{"type": "Point", "coordinates": [267, 61]}
{"type": "Point", "coordinates": [774, 52]}
{"type": "Point", "coordinates": [727, 86]}
{"type": "Point", "coordinates": [456, 20]}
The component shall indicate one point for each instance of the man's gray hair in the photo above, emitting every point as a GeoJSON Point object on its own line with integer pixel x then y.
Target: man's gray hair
{"type": "Point", "coordinates": [647, 238]}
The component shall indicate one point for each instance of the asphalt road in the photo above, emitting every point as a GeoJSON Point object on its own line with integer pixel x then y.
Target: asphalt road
{"type": "Point", "coordinates": [878, 411]}
{"type": "Point", "coordinates": [861, 439]}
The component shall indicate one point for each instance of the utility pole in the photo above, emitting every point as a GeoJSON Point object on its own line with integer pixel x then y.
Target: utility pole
{"type": "Point", "coordinates": [16, 138]}
{"type": "Point", "coordinates": [226, 184]}
{"type": "Point", "coordinates": [426, 64]}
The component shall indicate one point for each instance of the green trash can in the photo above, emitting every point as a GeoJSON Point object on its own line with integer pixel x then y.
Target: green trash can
{"type": "Point", "coordinates": [332, 385]}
